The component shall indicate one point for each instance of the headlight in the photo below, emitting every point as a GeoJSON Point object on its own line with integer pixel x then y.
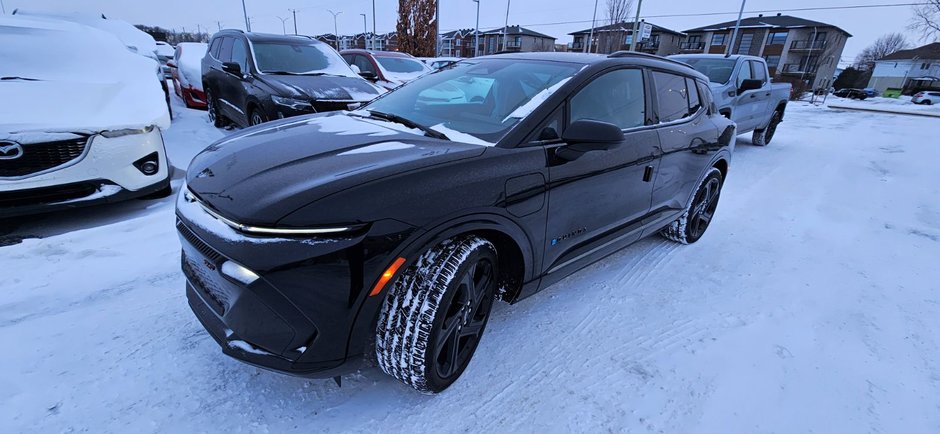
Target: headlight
{"type": "Point", "coordinates": [126, 132]}
{"type": "Point", "coordinates": [293, 103]}
{"type": "Point", "coordinates": [238, 272]}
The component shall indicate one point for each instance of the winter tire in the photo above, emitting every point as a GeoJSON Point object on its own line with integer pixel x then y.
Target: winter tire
{"type": "Point", "coordinates": [215, 116]}
{"type": "Point", "coordinates": [255, 117]}
{"type": "Point", "coordinates": [691, 225]}
{"type": "Point", "coordinates": [764, 136]}
{"type": "Point", "coordinates": [433, 317]}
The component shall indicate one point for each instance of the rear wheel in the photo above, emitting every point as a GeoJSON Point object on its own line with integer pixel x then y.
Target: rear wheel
{"type": "Point", "coordinates": [764, 136]}
{"type": "Point", "coordinates": [213, 108]}
{"type": "Point", "coordinates": [434, 316]}
{"type": "Point", "coordinates": [691, 225]}
{"type": "Point", "coordinates": [255, 117]}
{"type": "Point", "coordinates": [928, 102]}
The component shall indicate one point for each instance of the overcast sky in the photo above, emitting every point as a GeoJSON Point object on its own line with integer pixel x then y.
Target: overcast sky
{"type": "Point", "coordinates": [544, 16]}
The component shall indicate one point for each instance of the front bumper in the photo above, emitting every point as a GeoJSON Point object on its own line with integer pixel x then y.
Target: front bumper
{"type": "Point", "coordinates": [308, 314]}
{"type": "Point", "coordinates": [105, 172]}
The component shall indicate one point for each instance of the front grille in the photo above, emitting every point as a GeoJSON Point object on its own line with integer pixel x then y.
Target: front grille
{"type": "Point", "coordinates": [47, 195]}
{"type": "Point", "coordinates": [198, 272]}
{"type": "Point", "coordinates": [330, 106]}
{"type": "Point", "coordinates": [38, 157]}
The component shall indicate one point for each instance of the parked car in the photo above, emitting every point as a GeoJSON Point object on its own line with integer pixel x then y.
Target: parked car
{"type": "Point", "coordinates": [186, 70]}
{"type": "Point", "coordinates": [165, 53]}
{"type": "Point", "coordinates": [388, 69]}
{"type": "Point", "coordinates": [851, 93]}
{"type": "Point", "coordinates": [392, 229]}
{"type": "Point", "coordinates": [252, 78]}
{"type": "Point", "coordinates": [743, 92]}
{"type": "Point", "coordinates": [73, 132]}
{"type": "Point", "coordinates": [136, 40]}
{"type": "Point", "coordinates": [871, 92]}
{"type": "Point", "coordinates": [926, 97]}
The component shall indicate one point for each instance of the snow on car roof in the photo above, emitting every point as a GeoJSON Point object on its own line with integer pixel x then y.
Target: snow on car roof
{"type": "Point", "coordinates": [133, 38]}
{"type": "Point", "coordinates": [50, 85]}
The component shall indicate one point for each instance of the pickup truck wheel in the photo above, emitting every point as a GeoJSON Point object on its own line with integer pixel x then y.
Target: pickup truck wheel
{"type": "Point", "coordinates": [433, 317]}
{"type": "Point", "coordinates": [764, 136]}
{"type": "Point", "coordinates": [691, 225]}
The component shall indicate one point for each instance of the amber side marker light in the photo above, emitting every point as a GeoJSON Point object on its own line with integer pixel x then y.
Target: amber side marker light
{"type": "Point", "coordinates": [386, 276]}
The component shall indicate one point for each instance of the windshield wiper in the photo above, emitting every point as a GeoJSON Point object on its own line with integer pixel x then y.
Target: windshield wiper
{"type": "Point", "coordinates": [19, 78]}
{"type": "Point", "coordinates": [281, 73]}
{"type": "Point", "coordinates": [428, 131]}
{"type": "Point", "coordinates": [312, 74]}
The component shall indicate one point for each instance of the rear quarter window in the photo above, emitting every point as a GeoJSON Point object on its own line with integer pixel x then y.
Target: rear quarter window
{"type": "Point", "coordinates": [225, 54]}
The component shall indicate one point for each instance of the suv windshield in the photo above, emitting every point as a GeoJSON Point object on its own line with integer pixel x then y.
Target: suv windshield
{"type": "Point", "coordinates": [717, 70]}
{"type": "Point", "coordinates": [400, 64]}
{"type": "Point", "coordinates": [299, 58]}
{"type": "Point", "coordinates": [477, 101]}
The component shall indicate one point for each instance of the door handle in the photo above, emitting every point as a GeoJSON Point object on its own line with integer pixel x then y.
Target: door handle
{"type": "Point", "coordinates": [753, 95]}
{"type": "Point", "coordinates": [648, 174]}
{"type": "Point", "coordinates": [767, 94]}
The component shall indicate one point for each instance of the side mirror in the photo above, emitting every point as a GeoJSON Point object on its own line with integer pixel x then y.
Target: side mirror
{"type": "Point", "coordinates": [232, 68]}
{"type": "Point", "coordinates": [750, 84]}
{"type": "Point", "coordinates": [368, 75]}
{"type": "Point", "coordinates": [355, 69]}
{"type": "Point", "coordinates": [586, 135]}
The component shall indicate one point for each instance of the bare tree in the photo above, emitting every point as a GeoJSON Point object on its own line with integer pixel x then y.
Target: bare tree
{"type": "Point", "coordinates": [926, 20]}
{"type": "Point", "coordinates": [881, 48]}
{"type": "Point", "coordinates": [618, 11]}
{"type": "Point", "coordinates": [417, 27]}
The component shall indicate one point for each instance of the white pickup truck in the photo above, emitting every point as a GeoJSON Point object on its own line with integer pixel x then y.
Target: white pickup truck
{"type": "Point", "coordinates": [743, 92]}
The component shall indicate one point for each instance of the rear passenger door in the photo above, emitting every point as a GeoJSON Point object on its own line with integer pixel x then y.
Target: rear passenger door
{"type": "Point", "coordinates": [597, 202]}
{"type": "Point", "coordinates": [227, 83]}
{"type": "Point", "coordinates": [688, 139]}
{"type": "Point", "coordinates": [760, 98]}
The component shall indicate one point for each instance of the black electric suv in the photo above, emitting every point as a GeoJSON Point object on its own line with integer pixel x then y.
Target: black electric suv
{"type": "Point", "coordinates": [250, 78]}
{"type": "Point", "coordinates": [389, 231]}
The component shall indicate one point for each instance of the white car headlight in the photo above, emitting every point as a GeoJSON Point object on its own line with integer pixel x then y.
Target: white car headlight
{"type": "Point", "coordinates": [126, 132]}
{"type": "Point", "coordinates": [294, 103]}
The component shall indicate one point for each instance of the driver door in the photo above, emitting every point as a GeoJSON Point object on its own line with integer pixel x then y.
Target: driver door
{"type": "Point", "coordinates": [597, 202]}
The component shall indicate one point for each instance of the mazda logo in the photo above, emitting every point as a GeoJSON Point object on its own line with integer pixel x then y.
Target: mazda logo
{"type": "Point", "coordinates": [10, 151]}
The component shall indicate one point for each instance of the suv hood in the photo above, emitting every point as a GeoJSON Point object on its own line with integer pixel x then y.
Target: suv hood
{"type": "Point", "coordinates": [323, 87]}
{"type": "Point", "coordinates": [264, 173]}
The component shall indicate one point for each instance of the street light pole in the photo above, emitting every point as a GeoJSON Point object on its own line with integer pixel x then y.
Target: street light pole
{"type": "Point", "coordinates": [335, 28]}
{"type": "Point", "coordinates": [294, 11]}
{"type": "Point", "coordinates": [636, 25]}
{"type": "Point", "coordinates": [591, 35]}
{"type": "Point", "coordinates": [506, 25]}
{"type": "Point", "coordinates": [247, 21]}
{"type": "Point", "coordinates": [283, 25]}
{"type": "Point", "coordinates": [734, 35]}
{"type": "Point", "coordinates": [373, 17]}
{"type": "Point", "coordinates": [476, 32]}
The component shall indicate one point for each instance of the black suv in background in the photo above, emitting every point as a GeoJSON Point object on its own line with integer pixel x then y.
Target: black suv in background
{"type": "Point", "coordinates": [250, 78]}
{"type": "Point", "coordinates": [392, 229]}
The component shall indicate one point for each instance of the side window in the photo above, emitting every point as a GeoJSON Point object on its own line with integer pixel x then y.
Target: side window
{"type": "Point", "coordinates": [349, 58]}
{"type": "Point", "coordinates": [695, 103]}
{"type": "Point", "coordinates": [225, 54]}
{"type": "Point", "coordinates": [240, 54]}
{"type": "Point", "coordinates": [364, 64]}
{"type": "Point", "coordinates": [758, 71]}
{"type": "Point", "coordinates": [617, 97]}
{"type": "Point", "coordinates": [744, 73]}
{"type": "Point", "coordinates": [215, 47]}
{"type": "Point", "coordinates": [673, 96]}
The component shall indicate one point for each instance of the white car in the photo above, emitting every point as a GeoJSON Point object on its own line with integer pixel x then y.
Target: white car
{"type": "Point", "coordinates": [927, 97]}
{"type": "Point", "coordinates": [74, 132]}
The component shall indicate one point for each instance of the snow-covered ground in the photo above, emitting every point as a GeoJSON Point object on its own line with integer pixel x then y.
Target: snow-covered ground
{"type": "Point", "coordinates": [900, 104]}
{"type": "Point", "coordinates": [811, 305]}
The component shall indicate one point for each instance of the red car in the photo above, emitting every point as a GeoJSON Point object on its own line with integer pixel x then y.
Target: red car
{"type": "Point", "coordinates": [388, 69]}
{"type": "Point", "coordinates": [186, 68]}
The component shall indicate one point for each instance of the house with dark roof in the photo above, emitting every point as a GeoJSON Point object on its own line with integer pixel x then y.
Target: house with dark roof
{"type": "Point", "coordinates": [457, 43]}
{"type": "Point", "coordinates": [615, 37]}
{"type": "Point", "coordinates": [517, 38]}
{"type": "Point", "coordinates": [909, 71]}
{"type": "Point", "coordinates": [797, 50]}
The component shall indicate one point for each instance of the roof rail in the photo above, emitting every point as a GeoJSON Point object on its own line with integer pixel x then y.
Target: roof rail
{"type": "Point", "coordinates": [625, 53]}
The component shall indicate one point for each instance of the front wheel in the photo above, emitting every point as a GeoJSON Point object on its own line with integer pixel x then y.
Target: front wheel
{"type": "Point", "coordinates": [255, 117]}
{"type": "Point", "coordinates": [434, 315]}
{"type": "Point", "coordinates": [764, 136]}
{"type": "Point", "coordinates": [691, 225]}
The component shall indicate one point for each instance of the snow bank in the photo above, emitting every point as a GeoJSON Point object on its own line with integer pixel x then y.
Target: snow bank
{"type": "Point", "coordinates": [900, 105]}
{"type": "Point", "coordinates": [67, 77]}
{"type": "Point", "coordinates": [190, 63]}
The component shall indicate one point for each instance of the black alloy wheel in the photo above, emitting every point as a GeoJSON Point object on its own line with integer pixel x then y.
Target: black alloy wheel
{"type": "Point", "coordinates": [458, 331]}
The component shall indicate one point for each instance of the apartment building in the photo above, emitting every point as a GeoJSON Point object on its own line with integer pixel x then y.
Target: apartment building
{"type": "Point", "coordinates": [797, 50]}
{"type": "Point", "coordinates": [615, 37]}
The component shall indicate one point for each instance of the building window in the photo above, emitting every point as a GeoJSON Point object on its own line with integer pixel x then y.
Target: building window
{"type": "Point", "coordinates": [777, 38]}
{"type": "Point", "coordinates": [718, 39]}
{"type": "Point", "coordinates": [627, 40]}
{"type": "Point", "coordinates": [745, 46]}
{"type": "Point", "coordinates": [772, 61]}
